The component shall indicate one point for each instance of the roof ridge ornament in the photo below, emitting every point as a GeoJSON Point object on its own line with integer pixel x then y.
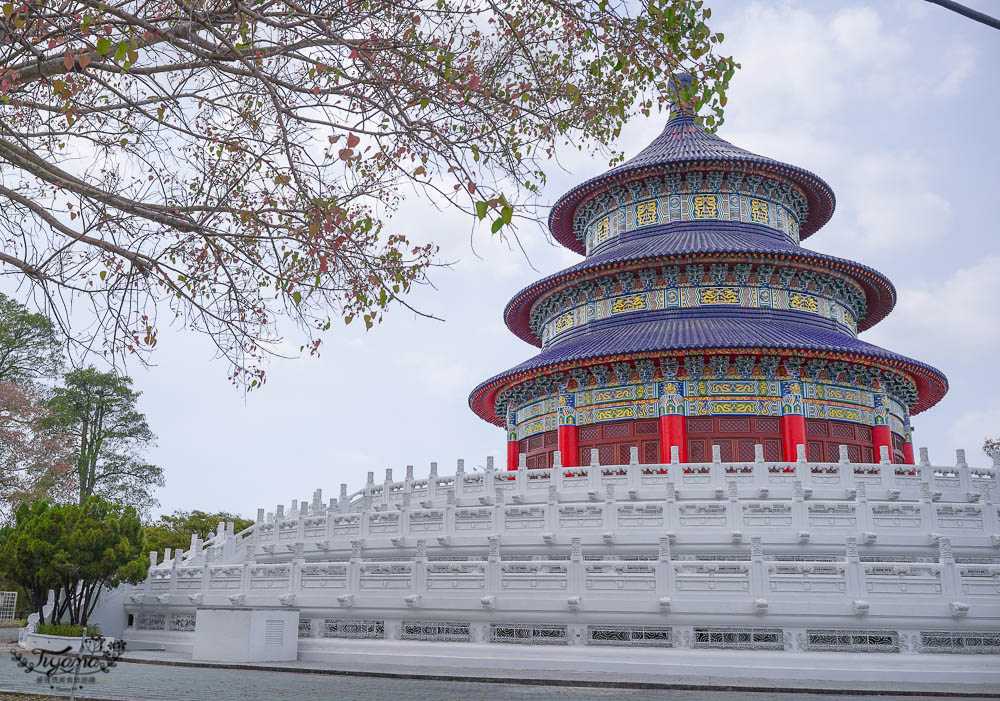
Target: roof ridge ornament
{"type": "Point", "coordinates": [678, 84]}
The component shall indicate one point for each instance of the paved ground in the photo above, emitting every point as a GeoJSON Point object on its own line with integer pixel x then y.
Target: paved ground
{"type": "Point", "coordinates": [141, 681]}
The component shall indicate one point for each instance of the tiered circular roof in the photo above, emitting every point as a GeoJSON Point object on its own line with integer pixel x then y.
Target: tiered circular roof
{"type": "Point", "coordinates": [684, 145]}
{"type": "Point", "coordinates": [670, 243]}
{"type": "Point", "coordinates": [759, 332]}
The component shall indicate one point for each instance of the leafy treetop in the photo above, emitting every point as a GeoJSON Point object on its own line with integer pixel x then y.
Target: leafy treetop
{"type": "Point", "coordinates": [29, 345]}
{"type": "Point", "coordinates": [76, 549]}
{"type": "Point", "coordinates": [110, 436]}
{"type": "Point", "coordinates": [174, 530]}
{"type": "Point", "coordinates": [229, 163]}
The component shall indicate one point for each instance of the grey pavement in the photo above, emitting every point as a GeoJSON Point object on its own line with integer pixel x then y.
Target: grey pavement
{"type": "Point", "coordinates": [129, 680]}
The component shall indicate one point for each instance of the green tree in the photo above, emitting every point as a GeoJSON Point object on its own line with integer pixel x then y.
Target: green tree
{"type": "Point", "coordinates": [29, 346]}
{"type": "Point", "coordinates": [33, 457]}
{"type": "Point", "coordinates": [111, 437]}
{"type": "Point", "coordinates": [77, 550]}
{"type": "Point", "coordinates": [247, 156]}
{"type": "Point", "coordinates": [991, 446]}
{"type": "Point", "coordinates": [28, 551]}
{"type": "Point", "coordinates": [174, 530]}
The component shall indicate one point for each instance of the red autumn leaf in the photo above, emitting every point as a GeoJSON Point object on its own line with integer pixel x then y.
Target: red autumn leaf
{"type": "Point", "coordinates": [68, 61]}
{"type": "Point", "coordinates": [353, 140]}
{"type": "Point", "coordinates": [84, 60]}
{"type": "Point", "coordinates": [345, 153]}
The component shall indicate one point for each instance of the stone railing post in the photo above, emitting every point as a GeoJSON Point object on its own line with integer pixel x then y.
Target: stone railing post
{"type": "Point", "coordinates": [552, 510]}
{"type": "Point", "coordinates": [734, 516]}
{"type": "Point", "coordinates": [610, 509]}
{"type": "Point", "coordinates": [343, 503]}
{"type": "Point", "coordinates": [206, 577]}
{"type": "Point", "coordinates": [757, 574]}
{"type": "Point", "coordinates": [354, 567]}
{"type": "Point", "coordinates": [844, 467]}
{"type": "Point", "coordinates": [670, 519]}
{"type": "Point", "coordinates": [432, 486]}
{"type": "Point", "coordinates": [387, 487]}
{"type": "Point", "coordinates": [449, 511]}
{"type": "Point", "coordinates": [924, 468]}
{"type": "Point", "coordinates": [499, 498]}
{"type": "Point", "coordinates": [460, 478]}
{"type": "Point", "coordinates": [951, 581]}
{"type": "Point", "coordinates": [295, 573]}
{"type": "Point", "coordinates": [493, 566]}
{"type": "Point", "coordinates": [759, 468]}
{"type": "Point", "coordinates": [173, 570]}
{"type": "Point", "coordinates": [633, 471]}
{"type": "Point", "coordinates": [593, 477]}
{"type": "Point", "coordinates": [716, 473]}
{"type": "Point", "coordinates": [991, 523]}
{"type": "Point", "coordinates": [800, 519]}
{"type": "Point", "coordinates": [863, 509]}
{"type": "Point", "coordinates": [854, 574]}
{"type": "Point", "coordinates": [404, 511]}
{"type": "Point", "coordinates": [244, 578]}
{"type": "Point", "coordinates": [420, 568]}
{"type": "Point", "coordinates": [664, 569]}
{"type": "Point", "coordinates": [927, 513]}
{"type": "Point", "coordinates": [575, 573]}
{"type": "Point", "coordinates": [363, 523]}
{"type": "Point", "coordinates": [964, 475]}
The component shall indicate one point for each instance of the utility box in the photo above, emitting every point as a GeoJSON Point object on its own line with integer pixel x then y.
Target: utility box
{"type": "Point", "coordinates": [245, 635]}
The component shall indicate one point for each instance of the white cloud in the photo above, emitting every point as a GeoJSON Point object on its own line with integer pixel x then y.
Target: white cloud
{"type": "Point", "coordinates": [969, 428]}
{"type": "Point", "coordinates": [956, 318]}
{"type": "Point", "coordinates": [891, 198]}
{"type": "Point", "coordinates": [799, 65]}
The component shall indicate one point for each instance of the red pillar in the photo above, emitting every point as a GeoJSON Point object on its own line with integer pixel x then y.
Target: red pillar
{"type": "Point", "coordinates": [793, 433]}
{"type": "Point", "coordinates": [908, 442]}
{"type": "Point", "coordinates": [513, 449]}
{"type": "Point", "coordinates": [673, 432]}
{"type": "Point", "coordinates": [881, 435]}
{"type": "Point", "coordinates": [569, 445]}
{"type": "Point", "coordinates": [673, 422]}
{"type": "Point", "coordinates": [569, 432]}
{"type": "Point", "coordinates": [793, 420]}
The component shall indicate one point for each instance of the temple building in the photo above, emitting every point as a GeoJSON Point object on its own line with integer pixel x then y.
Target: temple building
{"type": "Point", "coordinates": [697, 319]}
{"type": "Point", "coordinates": [703, 458]}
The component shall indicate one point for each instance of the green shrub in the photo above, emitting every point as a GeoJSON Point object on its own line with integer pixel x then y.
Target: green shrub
{"type": "Point", "coordinates": [66, 629]}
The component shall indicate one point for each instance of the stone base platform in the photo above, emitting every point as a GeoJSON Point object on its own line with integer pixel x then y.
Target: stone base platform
{"type": "Point", "coordinates": [948, 675]}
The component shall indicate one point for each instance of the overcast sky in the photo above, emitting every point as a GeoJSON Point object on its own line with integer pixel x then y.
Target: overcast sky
{"type": "Point", "coordinates": [893, 103]}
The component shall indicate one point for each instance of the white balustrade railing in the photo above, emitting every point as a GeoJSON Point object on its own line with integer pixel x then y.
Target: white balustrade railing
{"type": "Point", "coordinates": [812, 499]}
{"type": "Point", "coordinates": [620, 584]}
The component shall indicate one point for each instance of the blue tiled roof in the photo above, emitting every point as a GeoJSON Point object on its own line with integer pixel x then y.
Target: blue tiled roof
{"type": "Point", "coordinates": [685, 143]}
{"type": "Point", "coordinates": [703, 238]}
{"type": "Point", "coordinates": [683, 140]}
{"type": "Point", "coordinates": [756, 330]}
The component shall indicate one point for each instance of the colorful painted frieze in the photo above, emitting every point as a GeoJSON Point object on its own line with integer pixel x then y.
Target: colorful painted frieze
{"type": "Point", "coordinates": [690, 297]}
{"type": "Point", "coordinates": [703, 206]}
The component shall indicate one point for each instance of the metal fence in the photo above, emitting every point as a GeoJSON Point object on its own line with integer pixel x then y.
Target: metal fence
{"type": "Point", "coordinates": [8, 603]}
